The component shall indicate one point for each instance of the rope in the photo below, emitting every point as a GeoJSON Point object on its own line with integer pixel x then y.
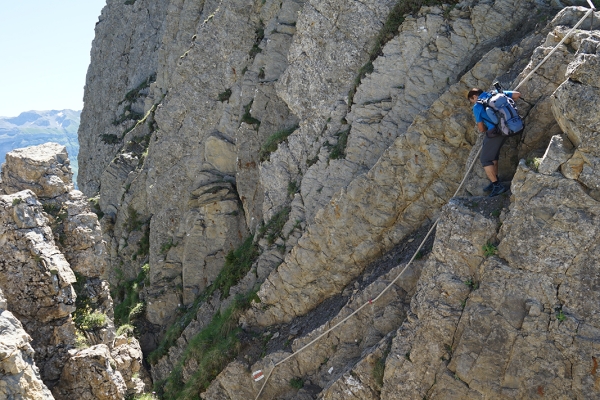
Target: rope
{"type": "Point", "coordinates": [426, 236]}
{"type": "Point", "coordinates": [555, 48]}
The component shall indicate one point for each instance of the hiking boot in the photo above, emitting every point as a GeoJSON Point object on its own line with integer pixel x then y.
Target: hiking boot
{"type": "Point", "coordinates": [497, 189]}
{"type": "Point", "coordinates": [489, 187]}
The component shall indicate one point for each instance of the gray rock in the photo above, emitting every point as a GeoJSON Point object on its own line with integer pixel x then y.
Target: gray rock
{"type": "Point", "coordinates": [43, 169]}
{"type": "Point", "coordinates": [91, 374]}
{"type": "Point", "coordinates": [19, 376]}
{"type": "Point", "coordinates": [558, 152]}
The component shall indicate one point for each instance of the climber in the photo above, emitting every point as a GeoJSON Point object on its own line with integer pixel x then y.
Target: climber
{"type": "Point", "coordinates": [492, 141]}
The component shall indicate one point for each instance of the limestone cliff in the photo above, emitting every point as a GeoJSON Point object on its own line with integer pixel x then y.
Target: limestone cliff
{"type": "Point", "coordinates": [259, 159]}
{"type": "Point", "coordinates": [57, 310]}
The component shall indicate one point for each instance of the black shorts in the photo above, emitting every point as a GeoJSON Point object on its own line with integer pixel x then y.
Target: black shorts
{"type": "Point", "coordinates": [490, 150]}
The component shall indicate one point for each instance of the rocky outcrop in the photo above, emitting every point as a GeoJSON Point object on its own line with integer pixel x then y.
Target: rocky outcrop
{"type": "Point", "coordinates": [284, 289]}
{"type": "Point", "coordinates": [37, 280]}
{"type": "Point", "coordinates": [129, 62]}
{"type": "Point", "coordinates": [44, 170]}
{"type": "Point", "coordinates": [43, 243]}
{"type": "Point", "coordinates": [19, 376]}
{"type": "Point", "coordinates": [88, 374]}
{"type": "Point", "coordinates": [474, 316]}
{"type": "Point", "coordinates": [510, 339]}
{"type": "Point", "coordinates": [348, 130]}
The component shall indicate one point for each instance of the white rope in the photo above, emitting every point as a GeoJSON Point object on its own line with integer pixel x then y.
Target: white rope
{"type": "Point", "coordinates": [555, 48]}
{"type": "Point", "coordinates": [592, 6]}
{"type": "Point", "coordinates": [426, 236]}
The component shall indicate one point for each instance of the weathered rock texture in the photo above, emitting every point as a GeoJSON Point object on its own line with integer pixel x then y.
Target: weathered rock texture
{"type": "Point", "coordinates": [19, 376]}
{"type": "Point", "coordinates": [527, 330]}
{"type": "Point", "coordinates": [229, 117]}
{"type": "Point", "coordinates": [42, 245]}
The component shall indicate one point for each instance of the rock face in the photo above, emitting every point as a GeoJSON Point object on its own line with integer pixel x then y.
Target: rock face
{"type": "Point", "coordinates": [44, 245]}
{"type": "Point", "coordinates": [509, 340]}
{"type": "Point", "coordinates": [19, 376]}
{"type": "Point", "coordinates": [44, 170]}
{"type": "Point", "coordinates": [330, 131]}
{"type": "Point", "coordinates": [89, 375]}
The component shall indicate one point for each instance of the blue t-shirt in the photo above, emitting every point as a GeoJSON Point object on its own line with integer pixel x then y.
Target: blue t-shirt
{"type": "Point", "coordinates": [479, 109]}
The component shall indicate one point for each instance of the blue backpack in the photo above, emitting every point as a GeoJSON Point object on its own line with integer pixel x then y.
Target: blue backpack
{"type": "Point", "coordinates": [502, 112]}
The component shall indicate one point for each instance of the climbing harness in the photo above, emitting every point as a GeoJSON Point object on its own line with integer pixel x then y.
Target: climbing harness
{"type": "Point", "coordinates": [258, 375]}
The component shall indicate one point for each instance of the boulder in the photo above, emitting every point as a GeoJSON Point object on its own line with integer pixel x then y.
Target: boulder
{"type": "Point", "coordinates": [44, 169]}
{"type": "Point", "coordinates": [91, 374]}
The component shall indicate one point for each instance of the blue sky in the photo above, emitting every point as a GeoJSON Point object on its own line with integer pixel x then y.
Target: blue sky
{"type": "Point", "coordinates": [44, 53]}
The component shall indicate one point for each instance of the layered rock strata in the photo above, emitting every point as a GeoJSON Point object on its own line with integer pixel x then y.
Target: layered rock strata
{"type": "Point", "coordinates": [473, 314]}
{"type": "Point", "coordinates": [510, 340]}
{"type": "Point", "coordinates": [185, 173]}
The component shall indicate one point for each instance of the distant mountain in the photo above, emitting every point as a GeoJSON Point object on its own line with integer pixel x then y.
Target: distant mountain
{"type": "Point", "coordinates": [31, 128]}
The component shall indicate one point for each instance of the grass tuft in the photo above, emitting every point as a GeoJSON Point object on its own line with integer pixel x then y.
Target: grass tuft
{"type": "Point", "coordinates": [338, 151]}
{"type": "Point", "coordinates": [297, 383]}
{"type": "Point", "coordinates": [489, 249]}
{"type": "Point", "coordinates": [237, 264]}
{"type": "Point", "coordinates": [273, 141]}
{"type": "Point", "coordinates": [274, 227]}
{"type": "Point", "coordinates": [212, 349]}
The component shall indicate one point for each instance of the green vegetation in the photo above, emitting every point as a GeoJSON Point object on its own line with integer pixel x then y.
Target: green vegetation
{"type": "Point", "coordinates": [237, 264]}
{"type": "Point", "coordinates": [80, 340]}
{"type": "Point", "coordinates": [92, 321]}
{"type": "Point", "coordinates": [16, 201]}
{"type": "Point", "coordinates": [133, 222]}
{"type": "Point", "coordinates": [52, 209]}
{"type": "Point", "coordinates": [379, 366]}
{"type": "Point", "coordinates": [560, 315]}
{"type": "Point", "coordinates": [95, 205]}
{"type": "Point", "coordinates": [217, 344]}
{"type": "Point", "coordinates": [247, 117]}
{"type": "Point", "coordinates": [143, 245]}
{"type": "Point", "coordinates": [339, 149]}
{"type": "Point", "coordinates": [127, 330]}
{"type": "Point", "coordinates": [297, 383]}
{"type": "Point", "coordinates": [378, 371]}
{"type": "Point", "coordinates": [134, 94]}
{"type": "Point", "coordinates": [128, 113]}
{"type": "Point", "coordinates": [389, 30]}
{"type": "Point", "coordinates": [273, 141]}
{"type": "Point", "coordinates": [212, 349]}
{"type": "Point", "coordinates": [472, 284]}
{"type": "Point", "coordinates": [260, 35]}
{"type": "Point", "coordinates": [165, 247]}
{"type": "Point", "coordinates": [489, 249]}
{"type": "Point", "coordinates": [533, 163]}
{"type": "Point", "coordinates": [274, 227]}
{"type": "Point", "coordinates": [312, 161]}
{"type": "Point", "coordinates": [86, 318]}
{"type": "Point", "coordinates": [127, 294]}
{"type": "Point", "coordinates": [225, 95]}
{"type": "Point", "coordinates": [293, 188]}
{"type": "Point", "coordinates": [109, 139]}
{"type": "Point", "coordinates": [145, 396]}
